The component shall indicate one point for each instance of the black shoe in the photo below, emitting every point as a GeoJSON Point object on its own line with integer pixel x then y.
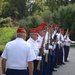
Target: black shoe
{"type": "Point", "coordinates": [56, 66]}
{"type": "Point", "coordinates": [60, 64]}
{"type": "Point", "coordinates": [67, 61]}
{"type": "Point", "coordinates": [63, 63]}
{"type": "Point", "coordinates": [54, 70]}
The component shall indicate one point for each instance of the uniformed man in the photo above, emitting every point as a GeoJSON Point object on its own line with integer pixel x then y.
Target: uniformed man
{"type": "Point", "coordinates": [17, 56]}
{"type": "Point", "coordinates": [61, 45]}
{"type": "Point", "coordinates": [56, 33]}
{"type": "Point", "coordinates": [67, 46]}
{"type": "Point", "coordinates": [51, 50]}
{"type": "Point", "coordinates": [34, 47]}
{"type": "Point", "coordinates": [54, 42]}
{"type": "Point", "coordinates": [41, 43]}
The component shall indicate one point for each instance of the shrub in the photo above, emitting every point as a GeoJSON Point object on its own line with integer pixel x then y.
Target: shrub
{"type": "Point", "coordinates": [46, 16]}
{"type": "Point", "coordinates": [6, 34]}
{"type": "Point", "coordinates": [6, 22]}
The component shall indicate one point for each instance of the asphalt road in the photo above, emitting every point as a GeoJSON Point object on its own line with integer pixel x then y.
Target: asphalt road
{"type": "Point", "coordinates": [68, 69]}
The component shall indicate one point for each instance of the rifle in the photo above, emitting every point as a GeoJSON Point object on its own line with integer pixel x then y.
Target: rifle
{"type": "Point", "coordinates": [49, 42]}
{"type": "Point", "coordinates": [41, 52]}
{"type": "Point", "coordinates": [66, 35]}
{"type": "Point", "coordinates": [47, 47]}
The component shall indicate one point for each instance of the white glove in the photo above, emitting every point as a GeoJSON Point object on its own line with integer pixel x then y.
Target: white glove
{"type": "Point", "coordinates": [3, 74]}
{"type": "Point", "coordinates": [50, 47]}
{"type": "Point", "coordinates": [46, 51]}
{"type": "Point", "coordinates": [54, 46]}
{"type": "Point", "coordinates": [73, 41]}
{"type": "Point", "coordinates": [39, 58]}
{"type": "Point", "coordinates": [59, 42]}
{"type": "Point", "coordinates": [55, 32]}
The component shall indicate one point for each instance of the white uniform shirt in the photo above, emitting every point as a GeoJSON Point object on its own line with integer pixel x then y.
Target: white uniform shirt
{"type": "Point", "coordinates": [60, 39]}
{"type": "Point", "coordinates": [18, 53]}
{"type": "Point", "coordinates": [67, 40]}
{"type": "Point", "coordinates": [34, 46]}
{"type": "Point", "coordinates": [46, 40]}
{"type": "Point", "coordinates": [39, 41]}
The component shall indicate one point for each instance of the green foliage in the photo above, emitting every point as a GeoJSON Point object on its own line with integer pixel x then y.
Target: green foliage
{"type": "Point", "coordinates": [6, 34]}
{"type": "Point", "coordinates": [73, 31]}
{"type": "Point", "coordinates": [15, 23]}
{"type": "Point", "coordinates": [46, 16]}
{"type": "Point", "coordinates": [23, 24]}
{"type": "Point", "coordinates": [15, 9]}
{"type": "Point", "coordinates": [52, 5]}
{"type": "Point", "coordinates": [2, 48]}
{"type": "Point", "coordinates": [39, 7]}
{"type": "Point", "coordinates": [3, 3]}
{"type": "Point", "coordinates": [5, 22]}
{"type": "Point", "coordinates": [35, 21]}
{"type": "Point", "coordinates": [64, 16]}
{"type": "Point", "coordinates": [30, 22]}
{"type": "Point", "coordinates": [55, 16]}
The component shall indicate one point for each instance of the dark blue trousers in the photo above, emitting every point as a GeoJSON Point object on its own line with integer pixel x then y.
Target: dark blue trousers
{"type": "Point", "coordinates": [35, 72]}
{"type": "Point", "coordinates": [16, 72]}
{"type": "Point", "coordinates": [42, 67]}
{"type": "Point", "coordinates": [53, 59]}
{"type": "Point", "coordinates": [61, 55]}
{"type": "Point", "coordinates": [50, 63]}
{"type": "Point", "coordinates": [45, 71]}
{"type": "Point", "coordinates": [56, 55]}
{"type": "Point", "coordinates": [66, 52]}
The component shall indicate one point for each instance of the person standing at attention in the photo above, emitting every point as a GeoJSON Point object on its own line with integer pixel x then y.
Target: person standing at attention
{"type": "Point", "coordinates": [68, 42]}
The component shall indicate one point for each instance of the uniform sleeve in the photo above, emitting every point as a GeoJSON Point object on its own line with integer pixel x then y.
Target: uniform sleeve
{"type": "Point", "coordinates": [4, 54]}
{"type": "Point", "coordinates": [31, 55]}
{"type": "Point", "coordinates": [71, 41]}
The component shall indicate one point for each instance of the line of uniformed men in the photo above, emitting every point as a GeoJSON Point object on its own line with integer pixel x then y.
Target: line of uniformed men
{"type": "Point", "coordinates": [50, 41]}
{"type": "Point", "coordinates": [44, 50]}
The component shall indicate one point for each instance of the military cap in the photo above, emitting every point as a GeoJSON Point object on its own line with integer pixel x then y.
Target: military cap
{"type": "Point", "coordinates": [43, 24]}
{"type": "Point", "coordinates": [57, 25]}
{"type": "Point", "coordinates": [33, 30]}
{"type": "Point", "coordinates": [21, 30]}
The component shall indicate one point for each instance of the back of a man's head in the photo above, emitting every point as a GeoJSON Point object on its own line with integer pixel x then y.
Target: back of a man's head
{"type": "Point", "coordinates": [21, 33]}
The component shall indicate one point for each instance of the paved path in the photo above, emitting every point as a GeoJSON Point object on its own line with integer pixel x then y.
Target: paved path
{"type": "Point", "coordinates": [69, 68]}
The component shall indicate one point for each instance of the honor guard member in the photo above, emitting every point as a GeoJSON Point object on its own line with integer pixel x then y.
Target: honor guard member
{"type": "Point", "coordinates": [41, 43]}
{"type": "Point", "coordinates": [61, 46]}
{"type": "Point", "coordinates": [51, 50]}
{"type": "Point", "coordinates": [54, 42]}
{"type": "Point", "coordinates": [67, 46]}
{"type": "Point", "coordinates": [42, 33]}
{"type": "Point", "coordinates": [56, 33]}
{"type": "Point", "coordinates": [17, 56]}
{"type": "Point", "coordinates": [34, 47]}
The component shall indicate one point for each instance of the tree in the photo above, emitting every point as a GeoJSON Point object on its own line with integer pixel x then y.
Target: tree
{"type": "Point", "coordinates": [2, 5]}
{"type": "Point", "coordinates": [65, 16]}
{"type": "Point", "coordinates": [39, 7]}
{"type": "Point", "coordinates": [73, 32]}
{"type": "Point", "coordinates": [46, 16]}
{"type": "Point", "coordinates": [16, 8]}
